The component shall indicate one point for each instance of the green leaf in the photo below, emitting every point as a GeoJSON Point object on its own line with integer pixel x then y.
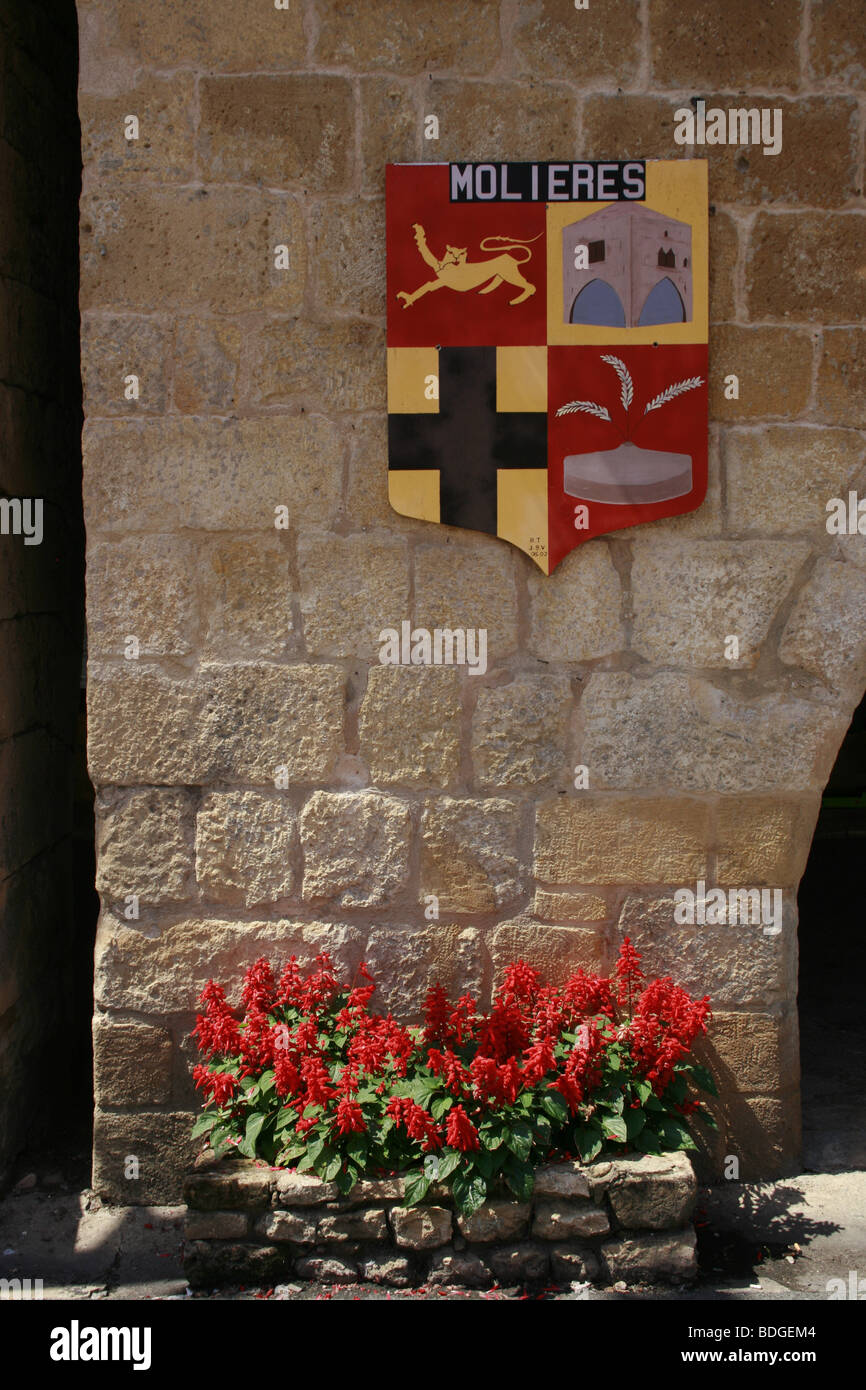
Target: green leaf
{"type": "Point", "coordinates": [519, 1177]}
{"type": "Point", "coordinates": [332, 1164]}
{"type": "Point", "coordinates": [554, 1106]}
{"type": "Point", "coordinates": [292, 1151]}
{"type": "Point", "coordinates": [440, 1105]}
{"type": "Point", "coordinates": [266, 1082]}
{"type": "Point", "coordinates": [613, 1127]}
{"type": "Point", "coordinates": [469, 1192]}
{"type": "Point", "coordinates": [634, 1123]}
{"type": "Point", "coordinates": [588, 1141]}
{"type": "Point", "coordinates": [647, 1142]}
{"type": "Point", "coordinates": [483, 1163]}
{"type": "Point", "coordinates": [417, 1187]}
{"type": "Point", "coordinates": [247, 1146]}
{"type": "Point", "coordinates": [357, 1146]}
{"type": "Point", "coordinates": [519, 1140]}
{"type": "Point", "coordinates": [643, 1090]}
{"type": "Point", "coordinates": [706, 1118]}
{"type": "Point", "coordinates": [704, 1078]}
{"type": "Point", "coordinates": [448, 1161]}
{"type": "Point", "coordinates": [205, 1123]}
{"type": "Point", "coordinates": [675, 1134]}
{"type": "Point", "coordinates": [492, 1134]}
{"type": "Point", "coordinates": [285, 1118]}
{"type": "Point", "coordinates": [218, 1136]}
{"type": "Point", "coordinates": [542, 1132]}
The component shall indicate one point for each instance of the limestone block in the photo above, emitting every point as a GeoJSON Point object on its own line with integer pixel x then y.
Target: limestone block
{"type": "Point", "coordinates": [142, 587]}
{"type": "Point", "coordinates": [303, 1190]}
{"type": "Point", "coordinates": [215, 1225]}
{"type": "Point", "coordinates": [577, 616]}
{"type": "Point", "coordinates": [649, 1193]}
{"type": "Point", "coordinates": [327, 1271]}
{"type": "Point", "coordinates": [462, 1267]}
{"type": "Point", "coordinates": [409, 725]}
{"type": "Point", "coordinates": [595, 839]}
{"type": "Point", "coordinates": [356, 847]}
{"type": "Point", "coordinates": [496, 1220]}
{"type": "Point", "coordinates": [816, 465]}
{"type": "Point", "coordinates": [773, 367]}
{"type": "Point", "coordinates": [555, 951]}
{"type": "Point", "coordinates": [516, 1264]}
{"type": "Point", "coordinates": [233, 35]}
{"type": "Point", "coordinates": [246, 598]}
{"type": "Point", "coordinates": [295, 1226]}
{"type": "Point", "coordinates": [164, 147]}
{"type": "Point", "coordinates": [206, 356]}
{"type": "Point", "coordinates": [406, 963]}
{"type": "Point", "coordinates": [245, 846]}
{"type": "Point", "coordinates": [503, 120]}
{"type": "Point", "coordinates": [681, 732]}
{"type": "Point", "coordinates": [389, 129]}
{"type": "Point", "coordinates": [520, 732]}
{"type": "Point", "coordinates": [565, 1181]}
{"type": "Point", "coordinates": [779, 287]}
{"type": "Point", "coordinates": [668, 1255]}
{"type": "Point", "coordinates": [369, 1224]}
{"type": "Point", "coordinates": [574, 1262]}
{"type": "Point", "coordinates": [400, 38]}
{"type": "Point", "coordinates": [470, 586]}
{"type": "Point", "coordinates": [836, 51]}
{"type": "Point", "coordinates": [347, 244]}
{"type": "Point", "coordinates": [351, 587]}
{"type": "Point", "coordinates": [333, 366]}
{"type": "Point", "coordinates": [244, 133]}
{"type": "Point", "coordinates": [161, 1143]}
{"type": "Point", "coordinates": [561, 1220]}
{"type": "Point", "coordinates": [144, 844]}
{"type": "Point", "coordinates": [823, 635]}
{"type": "Point", "coordinates": [739, 49]}
{"type": "Point", "coordinates": [131, 1063]}
{"type": "Point", "coordinates": [386, 1268]}
{"type": "Point", "coordinates": [688, 596]}
{"type": "Point", "coordinates": [571, 907]}
{"type": "Point", "coordinates": [421, 1228]}
{"type": "Point", "coordinates": [551, 41]}
{"type": "Point", "coordinates": [842, 377]}
{"type": "Point", "coordinates": [469, 855]}
{"type": "Point", "coordinates": [115, 346]}
{"type": "Point", "coordinates": [763, 839]}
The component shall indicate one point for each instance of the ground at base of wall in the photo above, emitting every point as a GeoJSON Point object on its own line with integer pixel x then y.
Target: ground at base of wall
{"type": "Point", "coordinates": [83, 1250]}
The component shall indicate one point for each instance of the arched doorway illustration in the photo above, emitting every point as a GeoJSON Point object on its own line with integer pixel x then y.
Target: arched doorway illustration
{"type": "Point", "coordinates": [663, 304]}
{"type": "Point", "coordinates": [598, 302]}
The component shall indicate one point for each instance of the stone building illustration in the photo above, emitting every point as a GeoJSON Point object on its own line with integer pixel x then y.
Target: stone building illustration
{"type": "Point", "coordinates": [639, 271]}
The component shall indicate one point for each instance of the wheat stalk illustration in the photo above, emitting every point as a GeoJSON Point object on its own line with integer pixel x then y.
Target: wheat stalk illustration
{"type": "Point", "coordinates": [626, 388]}
{"type": "Point", "coordinates": [588, 407]}
{"type": "Point", "coordinates": [670, 392]}
{"type": "Point", "coordinates": [626, 385]}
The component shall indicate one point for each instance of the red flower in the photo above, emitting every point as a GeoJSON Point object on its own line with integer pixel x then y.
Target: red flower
{"type": "Point", "coordinates": [258, 988]}
{"type": "Point", "coordinates": [628, 974]}
{"type": "Point", "coordinates": [460, 1132]}
{"type": "Point", "coordinates": [350, 1119]}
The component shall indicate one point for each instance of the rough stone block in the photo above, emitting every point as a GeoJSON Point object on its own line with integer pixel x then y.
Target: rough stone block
{"type": "Point", "coordinates": [520, 732]}
{"type": "Point", "coordinates": [837, 53]}
{"type": "Point", "coordinates": [842, 377]}
{"type": "Point", "coordinates": [208, 248]}
{"type": "Point", "coordinates": [664, 1256]}
{"type": "Point", "coordinates": [552, 40]}
{"type": "Point", "coordinates": [355, 1225]}
{"type": "Point", "coordinates": [752, 1052]}
{"type": "Point", "coordinates": [303, 1190]}
{"type": "Point", "coordinates": [786, 280]}
{"type": "Point", "coordinates": [215, 1225]}
{"type": "Point", "coordinates": [555, 951]}
{"type": "Point", "coordinates": [409, 726]}
{"type": "Point", "coordinates": [158, 475]}
{"type": "Point", "coordinates": [144, 844]}
{"type": "Point", "coordinates": [159, 1140]}
{"type": "Point", "coordinates": [234, 1184]}
{"type": "Point", "coordinates": [561, 1220]}
{"type": "Point", "coordinates": [462, 1267]}
{"type": "Point", "coordinates": [406, 963]}
{"type": "Point", "coordinates": [597, 840]}
{"type": "Point", "coordinates": [740, 48]}
{"type": "Point", "coordinates": [774, 370]}
{"type": "Point", "coordinates": [574, 1262]}
{"type": "Point", "coordinates": [164, 147]}
{"type": "Point", "coordinates": [496, 1221]}
{"type": "Point", "coordinates": [245, 845]}
{"type": "Point", "coordinates": [246, 598]}
{"type": "Point", "coordinates": [670, 731]}
{"type": "Point", "coordinates": [823, 635]}
{"type": "Point", "coordinates": [350, 588]}
{"type": "Point", "coordinates": [572, 907]}
{"type": "Point", "coordinates": [115, 346]}
{"type": "Point", "coordinates": [566, 1181]}
{"type": "Point", "coordinates": [207, 1263]}
{"type": "Point", "coordinates": [390, 129]}
{"type": "Point", "coordinates": [334, 366]}
{"type": "Point", "coordinates": [816, 465]}
{"type": "Point", "coordinates": [586, 583]}
{"type": "Point", "coordinates": [230, 722]}
{"type": "Point", "coordinates": [347, 242]}
{"type": "Point", "coordinates": [484, 121]}
{"type": "Point", "coordinates": [206, 356]}
{"type": "Point", "coordinates": [688, 596]}
{"type": "Point", "coordinates": [298, 1227]}
{"type": "Point", "coordinates": [763, 839]}
{"type": "Point", "coordinates": [356, 847]}
{"type": "Point", "coordinates": [421, 1228]}
{"type": "Point", "coordinates": [244, 133]}
{"type": "Point", "coordinates": [649, 1193]}
{"type": "Point", "coordinates": [517, 1264]}
{"type": "Point", "coordinates": [469, 855]}
{"type": "Point", "coordinates": [131, 1063]}
{"type": "Point", "coordinates": [142, 587]}
{"type": "Point", "coordinates": [328, 1270]}
{"type": "Point", "coordinates": [463, 585]}
{"type": "Point", "coordinates": [401, 38]}
{"type": "Point", "coordinates": [386, 1269]}
{"type": "Point", "coordinates": [233, 35]}
{"type": "Point", "coordinates": [724, 255]}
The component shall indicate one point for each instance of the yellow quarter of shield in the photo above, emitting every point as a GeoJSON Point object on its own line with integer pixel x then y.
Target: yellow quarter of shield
{"type": "Point", "coordinates": [521, 511]}
{"type": "Point", "coordinates": [415, 491]}
{"type": "Point", "coordinates": [413, 381]}
{"type": "Point", "coordinates": [521, 378]}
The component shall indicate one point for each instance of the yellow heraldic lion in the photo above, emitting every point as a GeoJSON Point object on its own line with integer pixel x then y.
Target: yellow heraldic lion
{"type": "Point", "coordinates": [455, 272]}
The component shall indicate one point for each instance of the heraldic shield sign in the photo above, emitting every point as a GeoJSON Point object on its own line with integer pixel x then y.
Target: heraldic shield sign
{"type": "Point", "coordinates": [547, 347]}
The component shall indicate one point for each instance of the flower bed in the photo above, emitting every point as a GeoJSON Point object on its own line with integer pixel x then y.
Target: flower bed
{"type": "Point", "coordinates": [472, 1102]}
{"type": "Point", "coordinates": [623, 1219]}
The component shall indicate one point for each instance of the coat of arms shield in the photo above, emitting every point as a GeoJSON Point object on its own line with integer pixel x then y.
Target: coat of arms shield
{"type": "Point", "coordinates": [547, 346]}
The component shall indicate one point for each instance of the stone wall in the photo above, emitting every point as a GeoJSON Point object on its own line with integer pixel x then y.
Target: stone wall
{"type": "Point", "coordinates": [262, 388]}
{"type": "Point", "coordinates": [41, 566]}
{"type": "Point", "coordinates": [629, 1219]}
